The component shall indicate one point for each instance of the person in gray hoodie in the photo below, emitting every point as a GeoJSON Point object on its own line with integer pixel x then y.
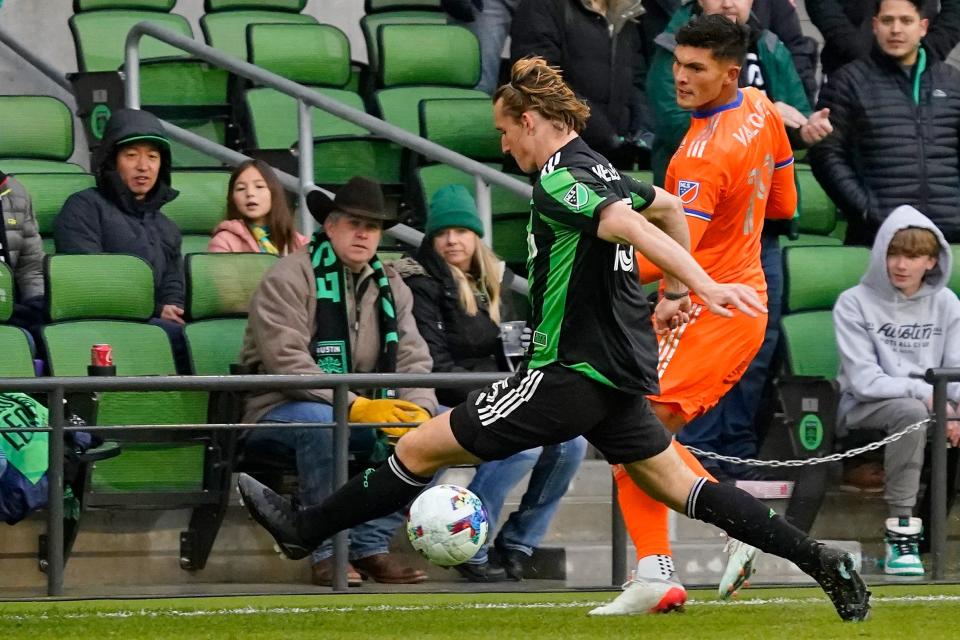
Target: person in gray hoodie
{"type": "Point", "coordinates": [900, 320]}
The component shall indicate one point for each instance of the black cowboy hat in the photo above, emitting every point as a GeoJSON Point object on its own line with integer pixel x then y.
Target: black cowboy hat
{"type": "Point", "coordinates": [359, 197]}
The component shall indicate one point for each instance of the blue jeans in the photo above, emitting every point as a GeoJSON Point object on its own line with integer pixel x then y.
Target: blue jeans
{"type": "Point", "coordinates": [491, 26]}
{"type": "Point", "coordinates": [553, 467]}
{"type": "Point", "coordinates": [314, 453]}
{"type": "Point", "coordinates": [178, 343]}
{"type": "Point", "coordinates": [729, 428]}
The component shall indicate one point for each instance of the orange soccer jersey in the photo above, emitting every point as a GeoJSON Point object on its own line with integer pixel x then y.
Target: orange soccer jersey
{"type": "Point", "coordinates": [733, 169]}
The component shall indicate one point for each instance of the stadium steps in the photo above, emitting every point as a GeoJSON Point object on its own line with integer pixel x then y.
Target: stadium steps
{"type": "Point", "coordinates": [121, 550]}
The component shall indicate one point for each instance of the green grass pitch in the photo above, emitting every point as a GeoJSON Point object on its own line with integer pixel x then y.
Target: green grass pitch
{"type": "Point", "coordinates": [920, 611]}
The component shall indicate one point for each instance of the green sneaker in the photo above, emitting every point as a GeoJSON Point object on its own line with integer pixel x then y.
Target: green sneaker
{"type": "Point", "coordinates": [902, 542]}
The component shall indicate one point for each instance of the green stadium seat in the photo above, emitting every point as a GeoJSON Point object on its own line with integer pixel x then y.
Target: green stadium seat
{"type": "Point", "coordinates": [225, 23]}
{"type": "Point", "coordinates": [317, 56]}
{"type": "Point", "coordinates": [817, 221]}
{"type": "Point", "coordinates": [384, 12]}
{"type": "Point", "coordinates": [220, 285]}
{"type": "Point", "coordinates": [49, 191]}
{"type": "Point", "coordinates": [38, 135]}
{"type": "Point", "coordinates": [954, 283]}
{"type": "Point", "coordinates": [815, 276]}
{"type": "Point", "coordinates": [444, 64]}
{"type": "Point", "coordinates": [17, 360]}
{"type": "Point", "coordinates": [219, 288]}
{"type": "Point", "coordinates": [106, 299]}
{"type": "Point", "coordinates": [174, 86]}
{"type": "Point", "coordinates": [199, 208]}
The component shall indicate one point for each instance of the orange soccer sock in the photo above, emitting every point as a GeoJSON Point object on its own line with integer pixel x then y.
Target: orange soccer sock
{"type": "Point", "coordinates": [646, 519]}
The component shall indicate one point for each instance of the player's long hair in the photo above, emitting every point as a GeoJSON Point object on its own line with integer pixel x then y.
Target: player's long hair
{"type": "Point", "coordinates": [536, 86]}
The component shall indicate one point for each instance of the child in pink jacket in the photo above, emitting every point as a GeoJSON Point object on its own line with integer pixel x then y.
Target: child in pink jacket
{"type": "Point", "coordinates": [259, 219]}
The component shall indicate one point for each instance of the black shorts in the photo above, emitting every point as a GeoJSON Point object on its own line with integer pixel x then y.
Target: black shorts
{"type": "Point", "coordinates": [537, 407]}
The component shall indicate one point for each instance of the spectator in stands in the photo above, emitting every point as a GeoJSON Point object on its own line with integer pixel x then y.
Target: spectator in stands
{"type": "Point", "coordinates": [22, 250]}
{"type": "Point", "coordinates": [729, 427]}
{"type": "Point", "coordinates": [259, 219]}
{"type": "Point", "coordinates": [489, 20]}
{"type": "Point", "coordinates": [900, 320]}
{"type": "Point", "coordinates": [360, 321]}
{"type": "Point", "coordinates": [848, 35]}
{"type": "Point", "coordinates": [596, 43]}
{"type": "Point", "coordinates": [456, 282]}
{"type": "Point", "coordinates": [122, 214]}
{"type": "Point", "coordinates": [896, 122]}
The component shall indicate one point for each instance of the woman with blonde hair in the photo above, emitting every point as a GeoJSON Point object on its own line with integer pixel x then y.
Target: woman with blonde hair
{"type": "Point", "coordinates": [457, 282]}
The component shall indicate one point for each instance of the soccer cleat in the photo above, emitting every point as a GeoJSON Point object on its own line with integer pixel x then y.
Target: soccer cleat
{"type": "Point", "coordinates": [273, 512]}
{"type": "Point", "coordinates": [740, 566]}
{"type": "Point", "coordinates": [646, 595]}
{"type": "Point", "coordinates": [903, 547]}
{"type": "Point", "coordinates": [843, 584]}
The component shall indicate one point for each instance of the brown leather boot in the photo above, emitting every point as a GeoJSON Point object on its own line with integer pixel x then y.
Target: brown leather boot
{"type": "Point", "coordinates": [389, 568]}
{"type": "Point", "coordinates": [322, 574]}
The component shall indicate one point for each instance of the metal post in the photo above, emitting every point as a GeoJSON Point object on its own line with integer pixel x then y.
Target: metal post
{"type": "Point", "coordinates": [485, 209]}
{"type": "Point", "coordinates": [341, 447]}
{"type": "Point", "coordinates": [938, 480]}
{"type": "Point", "coordinates": [305, 157]}
{"type": "Point", "coordinates": [131, 68]}
{"type": "Point", "coordinates": [618, 540]}
{"type": "Point", "coordinates": [55, 495]}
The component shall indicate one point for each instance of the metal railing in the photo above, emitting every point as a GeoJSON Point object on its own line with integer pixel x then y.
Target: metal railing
{"type": "Point", "coordinates": [57, 389]}
{"type": "Point", "coordinates": [939, 378]}
{"type": "Point", "coordinates": [306, 98]}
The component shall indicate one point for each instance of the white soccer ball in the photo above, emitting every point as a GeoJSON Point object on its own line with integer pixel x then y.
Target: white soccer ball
{"type": "Point", "coordinates": [447, 524]}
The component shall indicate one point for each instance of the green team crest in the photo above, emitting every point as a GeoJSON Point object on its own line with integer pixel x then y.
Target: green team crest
{"type": "Point", "coordinates": [577, 197]}
{"type": "Point", "coordinates": [331, 356]}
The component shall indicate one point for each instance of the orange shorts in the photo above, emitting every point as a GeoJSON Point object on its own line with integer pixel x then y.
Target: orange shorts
{"type": "Point", "coordinates": [701, 360]}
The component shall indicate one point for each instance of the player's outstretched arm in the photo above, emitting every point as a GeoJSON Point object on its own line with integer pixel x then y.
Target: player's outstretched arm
{"type": "Point", "coordinates": [621, 224]}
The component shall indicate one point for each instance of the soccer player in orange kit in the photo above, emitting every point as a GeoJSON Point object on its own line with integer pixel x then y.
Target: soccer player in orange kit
{"type": "Point", "coordinates": [733, 169]}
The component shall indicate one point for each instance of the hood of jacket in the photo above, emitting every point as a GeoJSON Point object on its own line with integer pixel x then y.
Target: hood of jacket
{"type": "Point", "coordinates": [123, 125]}
{"type": "Point", "coordinates": [876, 277]}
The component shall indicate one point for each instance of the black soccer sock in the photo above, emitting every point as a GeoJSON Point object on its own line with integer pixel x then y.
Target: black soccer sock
{"type": "Point", "coordinates": [747, 519]}
{"type": "Point", "coordinates": [366, 496]}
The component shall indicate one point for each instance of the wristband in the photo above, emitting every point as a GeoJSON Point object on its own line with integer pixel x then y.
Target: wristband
{"type": "Point", "coordinates": [670, 295]}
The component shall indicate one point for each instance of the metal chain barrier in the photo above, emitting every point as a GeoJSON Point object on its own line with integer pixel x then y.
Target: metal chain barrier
{"type": "Point", "coordinates": [873, 446]}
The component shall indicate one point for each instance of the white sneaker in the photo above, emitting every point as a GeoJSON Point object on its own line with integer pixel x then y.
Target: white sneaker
{"type": "Point", "coordinates": [903, 547]}
{"type": "Point", "coordinates": [740, 566]}
{"type": "Point", "coordinates": [645, 595]}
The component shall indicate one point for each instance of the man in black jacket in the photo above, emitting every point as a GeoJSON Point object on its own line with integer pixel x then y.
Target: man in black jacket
{"type": "Point", "coordinates": [896, 121]}
{"type": "Point", "coordinates": [847, 33]}
{"type": "Point", "coordinates": [122, 213]}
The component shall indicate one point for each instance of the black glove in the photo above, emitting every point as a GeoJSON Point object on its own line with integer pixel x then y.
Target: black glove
{"type": "Point", "coordinates": [462, 10]}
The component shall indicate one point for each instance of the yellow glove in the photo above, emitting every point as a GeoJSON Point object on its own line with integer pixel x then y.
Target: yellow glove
{"type": "Point", "coordinates": [386, 410]}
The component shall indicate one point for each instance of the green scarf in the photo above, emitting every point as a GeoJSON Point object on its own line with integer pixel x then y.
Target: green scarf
{"type": "Point", "coordinates": [26, 452]}
{"type": "Point", "coordinates": [331, 338]}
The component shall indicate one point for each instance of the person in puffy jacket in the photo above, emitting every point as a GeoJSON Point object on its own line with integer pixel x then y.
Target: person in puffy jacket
{"type": "Point", "coordinates": [259, 219]}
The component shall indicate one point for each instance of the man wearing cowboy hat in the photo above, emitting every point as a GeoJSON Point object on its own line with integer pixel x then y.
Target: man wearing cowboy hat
{"type": "Point", "coordinates": [335, 308]}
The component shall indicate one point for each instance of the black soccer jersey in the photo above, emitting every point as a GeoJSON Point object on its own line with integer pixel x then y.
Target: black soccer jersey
{"type": "Point", "coordinates": [589, 310]}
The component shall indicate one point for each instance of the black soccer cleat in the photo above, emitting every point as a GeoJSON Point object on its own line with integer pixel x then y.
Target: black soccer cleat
{"type": "Point", "coordinates": [276, 514]}
{"type": "Point", "coordinates": [843, 584]}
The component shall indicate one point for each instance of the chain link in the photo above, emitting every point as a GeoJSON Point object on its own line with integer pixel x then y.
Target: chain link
{"type": "Point", "coordinates": [873, 446]}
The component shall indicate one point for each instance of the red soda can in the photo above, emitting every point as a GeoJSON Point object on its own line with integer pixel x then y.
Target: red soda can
{"type": "Point", "coordinates": [101, 355]}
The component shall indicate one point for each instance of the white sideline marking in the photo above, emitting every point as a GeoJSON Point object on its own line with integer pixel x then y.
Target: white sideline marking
{"type": "Point", "coordinates": [246, 611]}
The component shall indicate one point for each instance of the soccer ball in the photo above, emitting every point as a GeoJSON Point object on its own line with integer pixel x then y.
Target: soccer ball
{"type": "Point", "coordinates": [447, 524]}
